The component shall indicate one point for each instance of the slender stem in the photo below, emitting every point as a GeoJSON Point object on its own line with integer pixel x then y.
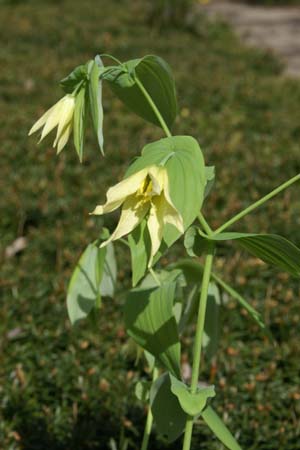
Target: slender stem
{"type": "Point", "coordinates": [258, 203]}
{"type": "Point", "coordinates": [154, 107]}
{"type": "Point", "coordinates": [112, 57]}
{"type": "Point", "coordinates": [154, 276]}
{"type": "Point", "coordinates": [204, 223]}
{"type": "Point", "coordinates": [198, 341]}
{"type": "Point", "coordinates": [149, 420]}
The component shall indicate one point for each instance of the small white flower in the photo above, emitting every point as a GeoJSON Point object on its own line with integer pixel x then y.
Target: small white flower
{"type": "Point", "coordinates": [145, 193]}
{"type": "Point", "coordinates": [60, 116]}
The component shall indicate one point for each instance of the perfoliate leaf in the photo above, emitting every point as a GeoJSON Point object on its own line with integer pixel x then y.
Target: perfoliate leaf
{"type": "Point", "coordinates": [192, 404]}
{"type": "Point", "coordinates": [70, 82]}
{"type": "Point", "coordinates": [95, 99]}
{"type": "Point", "coordinates": [270, 248]}
{"type": "Point", "coordinates": [156, 77]}
{"type": "Point", "coordinates": [94, 276]}
{"type": "Point", "coordinates": [219, 429]}
{"type": "Point", "coordinates": [183, 160]}
{"type": "Point", "coordinates": [79, 122]}
{"type": "Point", "coordinates": [168, 415]}
{"type": "Point", "coordinates": [150, 322]}
{"type": "Point", "coordinates": [140, 248]}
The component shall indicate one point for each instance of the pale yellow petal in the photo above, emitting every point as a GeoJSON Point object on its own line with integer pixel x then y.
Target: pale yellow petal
{"type": "Point", "coordinates": [42, 120]}
{"type": "Point", "coordinates": [170, 213]}
{"type": "Point", "coordinates": [63, 138]}
{"type": "Point", "coordinates": [52, 120]}
{"type": "Point", "coordinates": [157, 175]}
{"type": "Point", "coordinates": [172, 216]}
{"type": "Point", "coordinates": [155, 225]}
{"type": "Point", "coordinates": [132, 214]}
{"type": "Point", "coordinates": [65, 115]}
{"type": "Point", "coordinates": [117, 194]}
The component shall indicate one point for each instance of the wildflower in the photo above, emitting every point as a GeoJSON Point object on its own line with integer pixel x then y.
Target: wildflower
{"type": "Point", "coordinates": [145, 193]}
{"type": "Point", "coordinates": [60, 115]}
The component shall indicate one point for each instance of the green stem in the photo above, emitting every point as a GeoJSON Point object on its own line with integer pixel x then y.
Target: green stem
{"type": "Point", "coordinates": [154, 107]}
{"type": "Point", "coordinates": [198, 341]}
{"type": "Point", "coordinates": [149, 420]}
{"type": "Point", "coordinates": [113, 58]}
{"type": "Point", "coordinates": [204, 224]}
{"type": "Point", "coordinates": [257, 204]}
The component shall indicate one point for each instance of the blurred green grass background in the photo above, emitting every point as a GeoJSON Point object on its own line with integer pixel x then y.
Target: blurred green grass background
{"type": "Point", "coordinates": [64, 388]}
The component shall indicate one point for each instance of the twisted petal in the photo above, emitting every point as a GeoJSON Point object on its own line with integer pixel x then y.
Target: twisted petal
{"type": "Point", "coordinates": [65, 115]}
{"type": "Point", "coordinates": [117, 194]}
{"type": "Point", "coordinates": [132, 214]}
{"type": "Point", "coordinates": [161, 213]}
{"type": "Point", "coordinates": [63, 139]}
{"type": "Point", "coordinates": [52, 120]}
{"type": "Point", "coordinates": [155, 225]}
{"type": "Point", "coordinates": [42, 120]}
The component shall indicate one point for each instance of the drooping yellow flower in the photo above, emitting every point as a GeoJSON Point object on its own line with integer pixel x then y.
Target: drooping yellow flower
{"type": "Point", "coordinates": [59, 115]}
{"type": "Point", "coordinates": [145, 193]}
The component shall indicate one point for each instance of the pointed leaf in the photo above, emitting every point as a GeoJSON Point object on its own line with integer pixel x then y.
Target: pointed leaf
{"type": "Point", "coordinates": [90, 280]}
{"type": "Point", "coordinates": [168, 415]}
{"type": "Point", "coordinates": [140, 248]}
{"type": "Point", "coordinates": [95, 98]}
{"type": "Point", "coordinates": [270, 248]}
{"type": "Point", "coordinates": [150, 322]}
{"type": "Point", "coordinates": [79, 122]}
{"type": "Point", "coordinates": [70, 82]}
{"type": "Point", "coordinates": [156, 76]}
{"type": "Point", "coordinates": [219, 429]}
{"type": "Point", "coordinates": [191, 403]}
{"type": "Point", "coordinates": [109, 274]}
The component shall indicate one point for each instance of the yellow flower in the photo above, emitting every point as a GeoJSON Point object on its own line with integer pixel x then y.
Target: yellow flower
{"type": "Point", "coordinates": [145, 193]}
{"type": "Point", "coordinates": [60, 116]}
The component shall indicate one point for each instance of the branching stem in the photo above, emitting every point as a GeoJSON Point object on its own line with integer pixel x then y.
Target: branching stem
{"type": "Point", "coordinates": [255, 205]}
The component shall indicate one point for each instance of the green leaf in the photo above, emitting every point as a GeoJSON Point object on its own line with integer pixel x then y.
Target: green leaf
{"type": "Point", "coordinates": [255, 315]}
{"type": "Point", "coordinates": [94, 275]}
{"type": "Point", "coordinates": [270, 248]}
{"type": "Point", "coordinates": [70, 82]}
{"type": "Point", "coordinates": [210, 179]}
{"type": "Point", "coordinates": [219, 429]}
{"type": "Point", "coordinates": [194, 243]}
{"type": "Point", "coordinates": [140, 248]}
{"type": "Point", "coordinates": [212, 322]}
{"type": "Point", "coordinates": [184, 162]}
{"type": "Point", "coordinates": [193, 270]}
{"type": "Point", "coordinates": [79, 122]}
{"type": "Point", "coordinates": [150, 322]}
{"type": "Point", "coordinates": [109, 273]}
{"type": "Point", "coordinates": [192, 404]}
{"type": "Point", "coordinates": [95, 98]}
{"type": "Point", "coordinates": [142, 390]}
{"type": "Point", "coordinates": [168, 415]}
{"type": "Point", "coordinates": [156, 76]}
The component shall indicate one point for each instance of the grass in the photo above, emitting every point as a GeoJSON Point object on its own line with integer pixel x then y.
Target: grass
{"type": "Point", "coordinates": [64, 388]}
